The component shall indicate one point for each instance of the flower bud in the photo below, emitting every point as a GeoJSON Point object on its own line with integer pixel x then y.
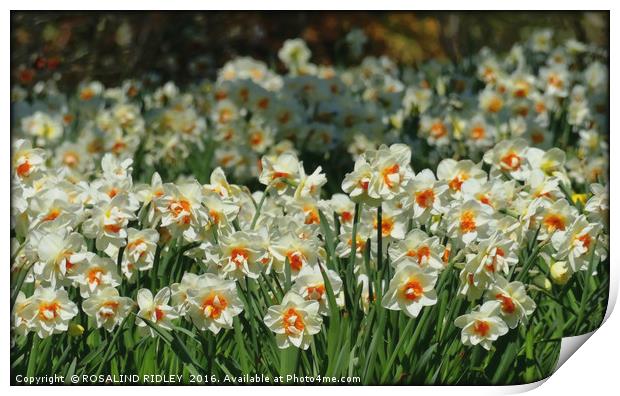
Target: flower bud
{"type": "Point", "coordinates": [542, 282]}
{"type": "Point", "coordinates": [76, 330]}
{"type": "Point", "coordinates": [560, 273]}
{"type": "Point", "coordinates": [579, 198]}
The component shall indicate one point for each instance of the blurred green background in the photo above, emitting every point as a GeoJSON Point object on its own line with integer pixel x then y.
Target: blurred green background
{"type": "Point", "coordinates": [183, 46]}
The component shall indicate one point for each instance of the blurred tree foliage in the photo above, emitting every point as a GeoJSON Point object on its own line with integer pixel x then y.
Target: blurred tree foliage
{"type": "Point", "coordinates": [183, 46]}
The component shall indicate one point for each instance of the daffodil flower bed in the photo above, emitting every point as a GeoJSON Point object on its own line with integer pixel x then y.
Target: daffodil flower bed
{"type": "Point", "coordinates": [460, 254]}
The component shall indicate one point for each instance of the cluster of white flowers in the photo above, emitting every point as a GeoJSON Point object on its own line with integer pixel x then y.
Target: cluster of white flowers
{"type": "Point", "coordinates": [81, 226]}
{"type": "Point", "coordinates": [478, 219]}
{"type": "Point", "coordinates": [95, 235]}
{"type": "Point", "coordinates": [464, 215]}
{"type": "Point", "coordinates": [250, 110]}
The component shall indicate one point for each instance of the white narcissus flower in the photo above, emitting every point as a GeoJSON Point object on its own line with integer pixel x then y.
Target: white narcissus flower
{"type": "Point", "coordinates": [108, 223]}
{"type": "Point", "coordinates": [95, 273]}
{"type": "Point", "coordinates": [560, 272]}
{"type": "Point", "coordinates": [311, 285]}
{"type": "Point", "coordinates": [469, 221]}
{"type": "Point", "coordinates": [280, 171]}
{"type": "Point", "coordinates": [357, 183]}
{"type": "Point", "coordinates": [539, 185]}
{"type": "Point", "coordinates": [182, 210]}
{"type": "Point", "coordinates": [393, 222]}
{"type": "Point", "coordinates": [516, 305]}
{"type": "Point", "coordinates": [555, 80]}
{"type": "Point", "coordinates": [43, 127]}
{"type": "Point", "coordinates": [240, 254]}
{"type": "Point", "coordinates": [107, 308]}
{"type": "Point", "coordinates": [20, 322]}
{"type": "Point", "coordinates": [510, 157]}
{"type": "Point", "coordinates": [494, 256]}
{"type": "Point", "coordinates": [597, 207]}
{"type": "Point", "coordinates": [577, 244]}
{"type": "Point", "coordinates": [425, 196]}
{"type": "Point", "coordinates": [219, 185]}
{"type": "Point", "coordinates": [436, 130]}
{"type": "Point", "coordinates": [58, 253]}
{"type": "Point", "coordinates": [490, 101]}
{"type": "Point", "coordinates": [411, 289]}
{"type": "Point", "coordinates": [294, 321]}
{"type": "Point", "coordinates": [49, 311]}
{"type": "Point", "coordinates": [455, 173]}
{"type": "Point", "coordinates": [310, 185]}
{"type": "Point", "coordinates": [391, 171]}
{"type": "Point", "coordinates": [549, 162]}
{"type": "Point", "coordinates": [213, 303]}
{"type": "Point", "coordinates": [482, 326]}
{"type": "Point", "coordinates": [27, 161]}
{"type": "Point", "coordinates": [179, 291]}
{"type": "Point", "coordinates": [116, 170]}
{"type": "Point", "coordinates": [222, 212]}
{"type": "Point", "coordinates": [364, 232]}
{"type": "Point", "coordinates": [54, 204]}
{"type": "Point", "coordinates": [139, 253]}
{"type": "Point", "coordinates": [299, 252]}
{"type": "Point", "coordinates": [155, 309]}
{"type": "Point", "coordinates": [294, 53]}
{"type": "Point", "coordinates": [419, 248]}
{"type": "Point", "coordinates": [342, 205]}
{"type": "Point", "coordinates": [556, 216]}
{"type": "Point", "coordinates": [149, 196]}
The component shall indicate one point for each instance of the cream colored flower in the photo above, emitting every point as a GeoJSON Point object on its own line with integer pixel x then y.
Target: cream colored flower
{"type": "Point", "coordinates": [469, 221]}
{"type": "Point", "coordinates": [510, 157]}
{"type": "Point", "coordinates": [155, 309]}
{"type": "Point", "coordinates": [182, 210]}
{"type": "Point", "coordinates": [515, 306]}
{"type": "Point", "coordinates": [426, 196]}
{"type": "Point", "coordinates": [240, 255]}
{"type": "Point", "coordinates": [27, 161]}
{"type": "Point", "coordinates": [578, 244]}
{"type": "Point", "coordinates": [419, 248]}
{"type": "Point", "coordinates": [107, 308]}
{"type": "Point", "coordinates": [95, 273]}
{"type": "Point", "coordinates": [140, 250]}
{"type": "Point", "coordinates": [299, 253]}
{"type": "Point", "coordinates": [391, 171]}
{"type": "Point", "coordinates": [58, 256]}
{"type": "Point", "coordinates": [49, 311]}
{"type": "Point", "coordinates": [411, 289]}
{"type": "Point", "coordinates": [294, 53]}
{"type": "Point", "coordinates": [179, 291]}
{"type": "Point", "coordinates": [357, 183]}
{"type": "Point", "coordinates": [482, 326]}
{"type": "Point", "coordinates": [310, 284]}
{"type": "Point", "coordinates": [43, 127]}
{"type": "Point", "coordinates": [213, 303]}
{"type": "Point", "coordinates": [20, 322]}
{"type": "Point", "coordinates": [280, 172]}
{"type": "Point", "coordinates": [294, 321]}
{"type": "Point", "coordinates": [108, 224]}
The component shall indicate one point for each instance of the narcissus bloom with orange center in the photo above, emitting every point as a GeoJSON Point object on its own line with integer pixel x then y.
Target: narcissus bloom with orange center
{"type": "Point", "coordinates": [515, 305]}
{"type": "Point", "coordinates": [411, 289]}
{"type": "Point", "coordinates": [213, 303]}
{"type": "Point", "coordinates": [311, 286]}
{"type": "Point", "coordinates": [155, 309]}
{"type": "Point", "coordinates": [294, 321]}
{"type": "Point", "coordinates": [482, 326]}
{"type": "Point", "coordinates": [108, 308]}
{"type": "Point", "coordinates": [49, 311]}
